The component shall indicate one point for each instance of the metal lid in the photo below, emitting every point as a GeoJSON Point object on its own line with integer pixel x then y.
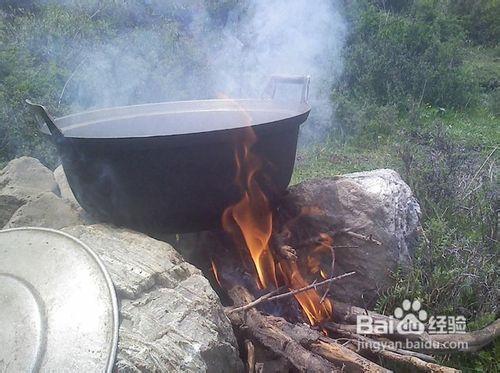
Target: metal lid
{"type": "Point", "coordinates": [58, 307]}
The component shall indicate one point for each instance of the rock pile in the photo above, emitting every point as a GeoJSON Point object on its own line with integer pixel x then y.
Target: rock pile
{"type": "Point", "coordinates": [171, 319]}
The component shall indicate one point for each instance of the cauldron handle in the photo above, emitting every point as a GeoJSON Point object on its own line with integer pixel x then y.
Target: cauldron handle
{"type": "Point", "coordinates": [41, 112]}
{"type": "Point", "coordinates": [275, 79]}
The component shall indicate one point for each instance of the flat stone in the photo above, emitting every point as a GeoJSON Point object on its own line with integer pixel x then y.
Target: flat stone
{"type": "Point", "coordinates": [45, 210]}
{"type": "Point", "coordinates": [172, 320]}
{"type": "Point", "coordinates": [21, 180]}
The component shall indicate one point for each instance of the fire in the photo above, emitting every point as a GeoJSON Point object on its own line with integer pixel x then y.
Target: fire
{"type": "Point", "coordinates": [215, 272]}
{"type": "Point", "coordinates": [251, 218]}
{"type": "Point", "coordinates": [252, 213]}
{"type": "Point", "coordinates": [323, 247]}
{"type": "Point", "coordinates": [309, 300]}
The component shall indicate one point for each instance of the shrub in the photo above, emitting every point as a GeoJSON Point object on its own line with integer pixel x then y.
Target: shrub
{"type": "Point", "coordinates": [363, 123]}
{"type": "Point", "coordinates": [479, 18]}
{"type": "Point", "coordinates": [36, 54]}
{"type": "Point", "coordinates": [74, 55]}
{"type": "Point", "coordinates": [392, 56]}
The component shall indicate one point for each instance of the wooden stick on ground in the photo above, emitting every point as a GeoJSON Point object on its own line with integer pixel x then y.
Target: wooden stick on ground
{"type": "Point", "coordinates": [466, 342]}
{"type": "Point", "coordinates": [471, 341]}
{"type": "Point", "coordinates": [408, 358]}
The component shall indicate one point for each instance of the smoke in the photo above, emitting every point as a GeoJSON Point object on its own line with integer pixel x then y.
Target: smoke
{"type": "Point", "coordinates": [191, 50]}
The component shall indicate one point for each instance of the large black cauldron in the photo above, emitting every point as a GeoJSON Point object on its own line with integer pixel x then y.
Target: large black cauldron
{"type": "Point", "coordinates": [170, 167]}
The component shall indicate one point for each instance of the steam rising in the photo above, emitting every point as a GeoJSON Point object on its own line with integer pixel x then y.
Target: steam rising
{"type": "Point", "coordinates": [231, 55]}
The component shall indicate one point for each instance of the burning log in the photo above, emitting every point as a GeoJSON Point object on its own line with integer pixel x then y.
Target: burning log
{"type": "Point", "coordinates": [307, 348]}
{"type": "Point", "coordinates": [303, 347]}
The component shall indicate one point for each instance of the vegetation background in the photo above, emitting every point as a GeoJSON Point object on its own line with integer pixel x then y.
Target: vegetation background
{"type": "Point", "coordinates": [419, 93]}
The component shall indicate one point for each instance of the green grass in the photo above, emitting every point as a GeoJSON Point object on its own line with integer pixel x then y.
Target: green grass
{"type": "Point", "coordinates": [484, 63]}
{"type": "Point", "coordinates": [477, 127]}
{"type": "Point", "coordinates": [333, 158]}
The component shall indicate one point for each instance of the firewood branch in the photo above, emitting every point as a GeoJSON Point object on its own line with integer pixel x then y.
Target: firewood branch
{"type": "Point", "coordinates": [273, 338]}
{"type": "Point", "coordinates": [467, 342]}
{"type": "Point", "coordinates": [306, 349]}
{"type": "Point", "coordinates": [363, 344]}
{"type": "Point", "coordinates": [471, 341]}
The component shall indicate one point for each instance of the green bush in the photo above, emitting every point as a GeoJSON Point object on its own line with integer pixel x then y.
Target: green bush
{"type": "Point", "coordinates": [36, 55]}
{"type": "Point", "coordinates": [76, 55]}
{"type": "Point", "coordinates": [363, 123]}
{"type": "Point", "coordinates": [419, 97]}
{"type": "Point", "coordinates": [393, 56]}
{"type": "Point", "coordinates": [479, 18]}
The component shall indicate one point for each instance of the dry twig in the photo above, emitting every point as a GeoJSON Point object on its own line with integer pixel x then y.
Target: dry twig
{"type": "Point", "coordinates": [255, 302]}
{"type": "Point", "coordinates": [271, 296]}
{"type": "Point", "coordinates": [361, 237]}
{"type": "Point", "coordinates": [332, 251]}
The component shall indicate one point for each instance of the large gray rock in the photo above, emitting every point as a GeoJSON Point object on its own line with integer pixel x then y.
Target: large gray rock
{"type": "Point", "coordinates": [64, 188]}
{"type": "Point", "coordinates": [377, 203]}
{"type": "Point", "coordinates": [171, 319]}
{"type": "Point", "coordinates": [45, 210]}
{"type": "Point", "coordinates": [21, 181]}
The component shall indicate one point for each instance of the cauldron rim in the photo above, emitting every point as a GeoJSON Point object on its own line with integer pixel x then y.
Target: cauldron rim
{"type": "Point", "coordinates": [269, 111]}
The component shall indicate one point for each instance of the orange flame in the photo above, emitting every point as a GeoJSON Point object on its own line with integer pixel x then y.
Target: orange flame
{"type": "Point", "coordinates": [309, 300]}
{"type": "Point", "coordinates": [215, 272]}
{"type": "Point", "coordinates": [251, 218]}
{"type": "Point", "coordinates": [252, 213]}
